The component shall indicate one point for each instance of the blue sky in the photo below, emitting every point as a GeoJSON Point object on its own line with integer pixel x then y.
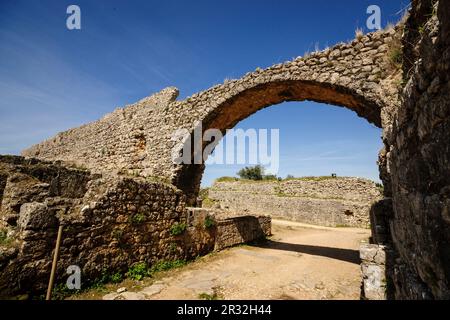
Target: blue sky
{"type": "Point", "coordinates": [52, 79]}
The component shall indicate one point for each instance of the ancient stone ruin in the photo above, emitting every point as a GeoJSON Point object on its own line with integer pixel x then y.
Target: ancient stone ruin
{"type": "Point", "coordinates": [325, 201]}
{"type": "Point", "coordinates": [120, 205]}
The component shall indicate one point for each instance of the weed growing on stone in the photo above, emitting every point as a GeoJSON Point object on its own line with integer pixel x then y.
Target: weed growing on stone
{"type": "Point", "coordinates": [137, 218]}
{"type": "Point", "coordinates": [3, 236]}
{"type": "Point", "coordinates": [178, 228]}
{"type": "Point", "coordinates": [209, 222]}
{"type": "Point", "coordinates": [138, 271]}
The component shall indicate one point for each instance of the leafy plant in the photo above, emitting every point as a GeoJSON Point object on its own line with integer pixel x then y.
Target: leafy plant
{"type": "Point", "coordinates": [270, 177]}
{"type": "Point", "coordinates": [209, 222]}
{"type": "Point", "coordinates": [117, 277]}
{"type": "Point", "coordinates": [61, 291]}
{"type": "Point", "coordinates": [178, 228]}
{"type": "Point", "coordinates": [138, 271]}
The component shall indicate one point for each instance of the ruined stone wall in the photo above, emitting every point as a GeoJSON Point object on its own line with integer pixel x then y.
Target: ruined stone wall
{"type": "Point", "coordinates": [109, 224]}
{"type": "Point", "coordinates": [420, 158]}
{"type": "Point", "coordinates": [321, 201]}
{"type": "Point", "coordinates": [138, 138]}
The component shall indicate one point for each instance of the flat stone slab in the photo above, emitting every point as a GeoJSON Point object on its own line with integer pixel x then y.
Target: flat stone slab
{"type": "Point", "coordinates": [153, 289]}
{"type": "Point", "coordinates": [130, 296]}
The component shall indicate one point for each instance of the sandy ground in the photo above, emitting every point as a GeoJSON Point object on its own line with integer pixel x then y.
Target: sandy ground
{"type": "Point", "coordinates": [298, 262]}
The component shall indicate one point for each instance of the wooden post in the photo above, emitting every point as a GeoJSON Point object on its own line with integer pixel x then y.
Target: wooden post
{"type": "Point", "coordinates": [54, 264]}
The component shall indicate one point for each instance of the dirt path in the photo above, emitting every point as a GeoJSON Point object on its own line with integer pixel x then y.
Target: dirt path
{"type": "Point", "coordinates": [300, 262]}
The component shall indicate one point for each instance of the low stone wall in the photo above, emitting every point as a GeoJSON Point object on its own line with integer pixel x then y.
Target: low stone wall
{"type": "Point", "coordinates": [236, 230]}
{"type": "Point", "coordinates": [376, 260]}
{"type": "Point", "coordinates": [109, 224]}
{"type": "Point", "coordinates": [328, 202]}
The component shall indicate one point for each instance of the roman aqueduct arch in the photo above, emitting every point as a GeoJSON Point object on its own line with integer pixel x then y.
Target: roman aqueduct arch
{"type": "Point", "coordinates": [139, 137]}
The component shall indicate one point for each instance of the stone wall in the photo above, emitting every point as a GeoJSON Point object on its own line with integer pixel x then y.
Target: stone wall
{"type": "Point", "coordinates": [237, 230]}
{"type": "Point", "coordinates": [414, 218]}
{"type": "Point", "coordinates": [321, 201]}
{"type": "Point", "coordinates": [109, 224]}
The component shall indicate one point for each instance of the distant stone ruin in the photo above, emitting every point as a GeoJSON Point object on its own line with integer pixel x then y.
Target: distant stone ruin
{"type": "Point", "coordinates": [326, 201]}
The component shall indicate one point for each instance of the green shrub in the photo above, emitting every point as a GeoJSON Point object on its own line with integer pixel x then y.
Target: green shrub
{"type": "Point", "coordinates": [61, 291]}
{"type": "Point", "coordinates": [207, 296]}
{"type": "Point", "coordinates": [177, 229]}
{"type": "Point", "coordinates": [270, 177]}
{"type": "Point", "coordinates": [138, 271]}
{"type": "Point", "coordinates": [3, 236]}
{"type": "Point", "coordinates": [116, 277]}
{"type": "Point", "coordinates": [255, 173]}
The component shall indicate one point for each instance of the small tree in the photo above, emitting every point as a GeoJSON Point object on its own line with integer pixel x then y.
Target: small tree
{"type": "Point", "coordinates": [252, 173]}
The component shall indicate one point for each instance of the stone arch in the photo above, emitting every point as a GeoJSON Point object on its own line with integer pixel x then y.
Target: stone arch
{"type": "Point", "coordinates": [354, 75]}
{"type": "Point", "coordinates": [138, 139]}
{"type": "Point", "coordinates": [250, 100]}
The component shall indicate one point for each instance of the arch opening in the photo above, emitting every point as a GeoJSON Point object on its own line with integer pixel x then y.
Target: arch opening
{"type": "Point", "coordinates": [241, 106]}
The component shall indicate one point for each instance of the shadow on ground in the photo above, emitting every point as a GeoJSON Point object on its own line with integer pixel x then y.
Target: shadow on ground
{"type": "Point", "coordinates": [348, 255]}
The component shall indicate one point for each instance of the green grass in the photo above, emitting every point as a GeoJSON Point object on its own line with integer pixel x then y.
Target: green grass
{"type": "Point", "coordinates": [167, 265]}
{"type": "Point", "coordinates": [4, 240]}
{"type": "Point", "coordinates": [117, 277]}
{"type": "Point", "coordinates": [320, 178]}
{"type": "Point", "coordinates": [141, 270]}
{"type": "Point", "coordinates": [342, 226]}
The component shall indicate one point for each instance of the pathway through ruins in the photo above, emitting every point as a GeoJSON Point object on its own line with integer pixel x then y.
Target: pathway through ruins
{"type": "Point", "coordinates": [299, 262]}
